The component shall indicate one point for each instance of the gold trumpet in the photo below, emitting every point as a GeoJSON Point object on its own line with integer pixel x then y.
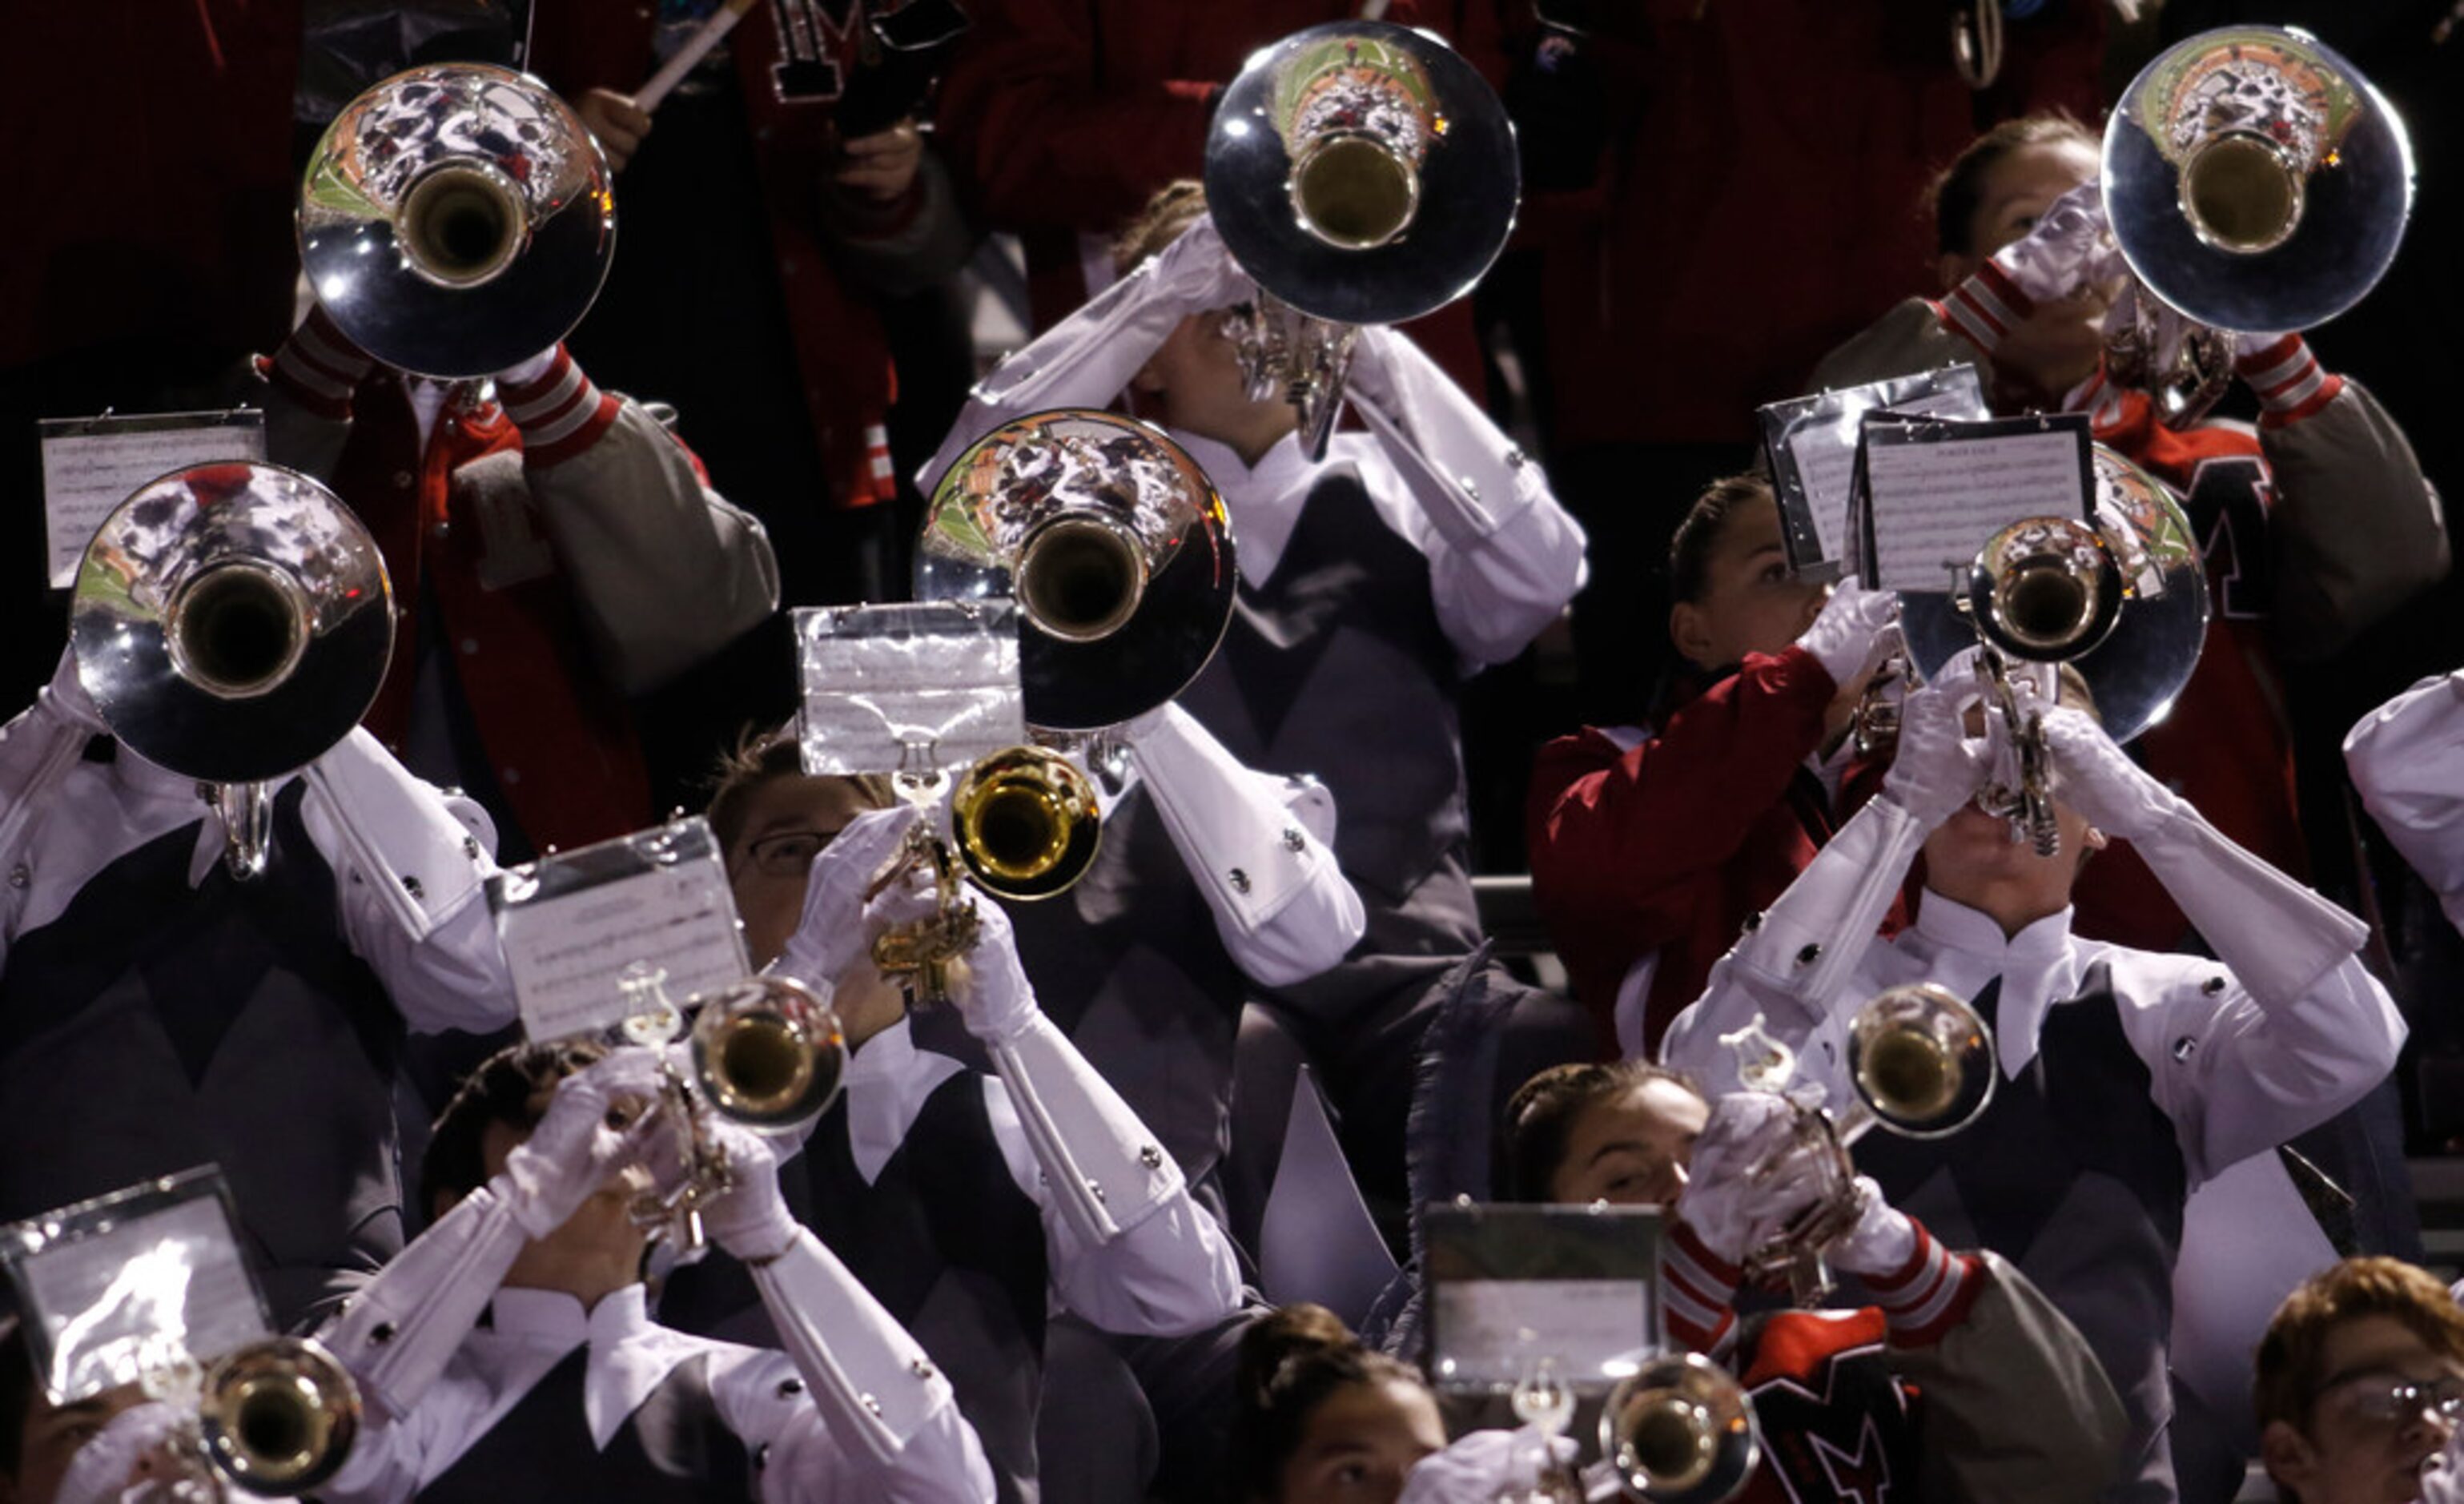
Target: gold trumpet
{"type": "Point", "coordinates": [279, 1416]}
{"type": "Point", "coordinates": [1680, 1431]}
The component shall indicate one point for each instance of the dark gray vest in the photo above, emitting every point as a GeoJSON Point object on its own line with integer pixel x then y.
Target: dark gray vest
{"type": "Point", "coordinates": [672, 1450]}
{"type": "Point", "coordinates": [151, 1027]}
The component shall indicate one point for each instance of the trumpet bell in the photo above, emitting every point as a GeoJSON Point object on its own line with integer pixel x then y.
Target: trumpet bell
{"type": "Point", "coordinates": [231, 621]}
{"type": "Point", "coordinates": [1028, 823]}
{"type": "Point", "coordinates": [767, 1054]}
{"type": "Point", "coordinates": [1363, 172]}
{"type": "Point", "coordinates": [279, 1416]}
{"type": "Point", "coordinates": [456, 219]}
{"type": "Point", "coordinates": [1921, 1060]}
{"type": "Point", "coordinates": [2135, 666]}
{"type": "Point", "coordinates": [2255, 181]}
{"type": "Point", "coordinates": [1116, 546]}
{"type": "Point", "coordinates": [1680, 1431]}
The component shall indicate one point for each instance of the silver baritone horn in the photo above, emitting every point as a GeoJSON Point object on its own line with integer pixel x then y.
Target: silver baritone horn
{"type": "Point", "coordinates": [1360, 173]}
{"type": "Point", "coordinates": [232, 622]}
{"type": "Point", "coordinates": [456, 219]}
{"type": "Point", "coordinates": [2254, 180]}
{"type": "Point", "coordinates": [279, 1416]}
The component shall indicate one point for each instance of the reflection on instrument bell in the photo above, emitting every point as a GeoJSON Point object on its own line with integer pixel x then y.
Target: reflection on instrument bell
{"type": "Point", "coordinates": [1028, 823]}
{"type": "Point", "coordinates": [2255, 181]}
{"type": "Point", "coordinates": [1680, 1430]}
{"type": "Point", "coordinates": [1922, 1061]}
{"type": "Point", "coordinates": [456, 219]}
{"type": "Point", "coordinates": [279, 1416]}
{"type": "Point", "coordinates": [767, 1054]}
{"type": "Point", "coordinates": [232, 622]}
{"type": "Point", "coordinates": [1114, 542]}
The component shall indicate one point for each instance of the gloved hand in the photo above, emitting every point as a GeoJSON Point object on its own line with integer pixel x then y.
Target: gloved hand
{"type": "Point", "coordinates": [1196, 274]}
{"type": "Point", "coordinates": [2068, 251]}
{"type": "Point", "coordinates": [600, 1120]}
{"type": "Point", "coordinates": [1843, 639]}
{"type": "Point", "coordinates": [132, 1458]}
{"type": "Point", "coordinates": [1938, 766]}
{"type": "Point", "coordinates": [2098, 780]}
{"type": "Point", "coordinates": [1884, 1240]}
{"type": "Point", "coordinates": [1482, 1466]}
{"type": "Point", "coordinates": [832, 933]}
{"type": "Point", "coordinates": [751, 1220]}
{"type": "Point", "coordinates": [68, 699]}
{"type": "Point", "coordinates": [990, 986]}
{"type": "Point", "coordinates": [1750, 1176]}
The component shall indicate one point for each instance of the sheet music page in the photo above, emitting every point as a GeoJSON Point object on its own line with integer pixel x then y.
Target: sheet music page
{"type": "Point", "coordinates": [1936, 500]}
{"type": "Point", "coordinates": [91, 465]}
{"type": "Point", "coordinates": [1490, 1330]}
{"type": "Point", "coordinates": [569, 953]}
{"type": "Point", "coordinates": [141, 1292]}
{"type": "Point", "coordinates": [1826, 457]}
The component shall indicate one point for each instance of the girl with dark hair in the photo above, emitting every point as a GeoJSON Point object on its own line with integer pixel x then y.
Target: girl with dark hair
{"type": "Point", "coordinates": [1323, 1417]}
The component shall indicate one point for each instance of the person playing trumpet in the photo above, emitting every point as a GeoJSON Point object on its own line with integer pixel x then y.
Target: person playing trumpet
{"type": "Point", "coordinates": [2127, 1076]}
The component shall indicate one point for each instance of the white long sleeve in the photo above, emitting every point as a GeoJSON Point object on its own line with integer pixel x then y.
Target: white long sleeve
{"type": "Point", "coordinates": [398, 1333]}
{"type": "Point", "coordinates": [2407, 759]}
{"type": "Point", "coordinates": [1258, 846]}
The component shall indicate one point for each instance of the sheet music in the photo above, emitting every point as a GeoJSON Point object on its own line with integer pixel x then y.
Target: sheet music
{"type": "Point", "coordinates": [883, 684]}
{"type": "Point", "coordinates": [1826, 457]}
{"type": "Point", "coordinates": [570, 953]}
{"type": "Point", "coordinates": [1491, 1330]}
{"type": "Point", "coordinates": [91, 465]}
{"type": "Point", "coordinates": [1936, 502]}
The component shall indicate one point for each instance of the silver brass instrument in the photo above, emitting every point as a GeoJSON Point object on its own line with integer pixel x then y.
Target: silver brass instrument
{"type": "Point", "coordinates": [2255, 181]}
{"type": "Point", "coordinates": [456, 219]}
{"type": "Point", "coordinates": [279, 1416]}
{"type": "Point", "coordinates": [2123, 600]}
{"type": "Point", "coordinates": [1360, 173]}
{"type": "Point", "coordinates": [1116, 546]}
{"type": "Point", "coordinates": [1680, 1431]}
{"type": "Point", "coordinates": [1922, 1066]}
{"type": "Point", "coordinates": [232, 622]}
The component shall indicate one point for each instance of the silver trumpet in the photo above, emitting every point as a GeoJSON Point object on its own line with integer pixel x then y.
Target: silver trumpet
{"type": "Point", "coordinates": [232, 622]}
{"type": "Point", "coordinates": [456, 219]}
{"type": "Point", "coordinates": [1361, 174]}
{"type": "Point", "coordinates": [1680, 1431]}
{"type": "Point", "coordinates": [278, 1416]}
{"type": "Point", "coordinates": [2255, 181]}
{"type": "Point", "coordinates": [1921, 1063]}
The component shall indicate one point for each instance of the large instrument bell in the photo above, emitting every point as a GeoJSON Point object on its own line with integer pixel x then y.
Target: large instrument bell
{"type": "Point", "coordinates": [456, 219]}
{"type": "Point", "coordinates": [1680, 1430]}
{"type": "Point", "coordinates": [2255, 181]}
{"type": "Point", "coordinates": [2125, 601]}
{"type": "Point", "coordinates": [232, 622]}
{"type": "Point", "coordinates": [1363, 172]}
{"type": "Point", "coordinates": [1116, 546]}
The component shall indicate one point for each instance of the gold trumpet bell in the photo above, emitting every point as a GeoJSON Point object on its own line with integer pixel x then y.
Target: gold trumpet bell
{"type": "Point", "coordinates": [1921, 1060]}
{"type": "Point", "coordinates": [767, 1054]}
{"type": "Point", "coordinates": [1028, 823]}
{"type": "Point", "coordinates": [279, 1416]}
{"type": "Point", "coordinates": [2045, 589]}
{"type": "Point", "coordinates": [2254, 180]}
{"type": "Point", "coordinates": [1680, 1431]}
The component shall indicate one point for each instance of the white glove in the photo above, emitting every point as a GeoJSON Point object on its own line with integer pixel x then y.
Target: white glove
{"type": "Point", "coordinates": [600, 1120]}
{"type": "Point", "coordinates": [751, 1220]}
{"type": "Point", "coordinates": [1884, 1240]}
{"type": "Point", "coordinates": [1482, 1466]}
{"type": "Point", "coordinates": [1750, 1176]}
{"type": "Point", "coordinates": [832, 932]}
{"type": "Point", "coordinates": [1845, 638]}
{"type": "Point", "coordinates": [122, 1462]}
{"type": "Point", "coordinates": [2098, 780]}
{"type": "Point", "coordinates": [2070, 249]}
{"type": "Point", "coordinates": [1938, 766]}
{"type": "Point", "coordinates": [1196, 273]}
{"type": "Point", "coordinates": [68, 699]}
{"type": "Point", "coordinates": [990, 986]}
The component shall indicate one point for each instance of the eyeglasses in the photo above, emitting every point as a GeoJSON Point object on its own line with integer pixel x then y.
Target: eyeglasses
{"type": "Point", "coordinates": [788, 853]}
{"type": "Point", "coordinates": [2395, 1401]}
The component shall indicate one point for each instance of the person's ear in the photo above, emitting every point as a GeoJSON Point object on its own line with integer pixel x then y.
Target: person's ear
{"type": "Point", "coordinates": [1689, 632]}
{"type": "Point", "coordinates": [2097, 840]}
{"type": "Point", "coordinates": [2288, 1455]}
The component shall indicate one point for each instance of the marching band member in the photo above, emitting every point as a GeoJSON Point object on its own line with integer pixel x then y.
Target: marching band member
{"type": "Point", "coordinates": [554, 550]}
{"type": "Point", "coordinates": [972, 1202]}
{"type": "Point", "coordinates": [160, 1012]}
{"type": "Point", "coordinates": [2360, 1385]}
{"type": "Point", "coordinates": [1650, 848]}
{"type": "Point", "coordinates": [2407, 759]}
{"type": "Point", "coordinates": [2128, 1076]}
{"type": "Point", "coordinates": [570, 1389]}
{"type": "Point", "coordinates": [1372, 582]}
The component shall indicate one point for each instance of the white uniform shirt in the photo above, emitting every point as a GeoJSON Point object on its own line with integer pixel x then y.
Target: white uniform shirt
{"type": "Point", "coordinates": [2407, 759]}
{"type": "Point", "coordinates": [758, 1396]}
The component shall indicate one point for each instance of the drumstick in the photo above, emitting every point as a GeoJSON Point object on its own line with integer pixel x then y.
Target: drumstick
{"type": "Point", "coordinates": [697, 47]}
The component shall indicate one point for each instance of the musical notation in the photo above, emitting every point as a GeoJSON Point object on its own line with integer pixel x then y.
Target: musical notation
{"type": "Point", "coordinates": [570, 954]}
{"type": "Point", "coordinates": [1939, 494]}
{"type": "Point", "coordinates": [91, 465]}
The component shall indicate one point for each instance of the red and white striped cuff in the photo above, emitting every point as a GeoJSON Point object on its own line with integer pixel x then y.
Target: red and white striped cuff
{"type": "Point", "coordinates": [319, 367]}
{"type": "Point", "coordinates": [1985, 308]}
{"type": "Point", "coordinates": [559, 411]}
{"type": "Point", "coordinates": [2288, 381]}
{"type": "Point", "coordinates": [1930, 1294]}
{"type": "Point", "coordinates": [1697, 1287]}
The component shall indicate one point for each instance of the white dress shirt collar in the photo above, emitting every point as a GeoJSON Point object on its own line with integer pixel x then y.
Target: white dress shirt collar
{"type": "Point", "coordinates": [1967, 949]}
{"type": "Point", "coordinates": [1264, 498]}
{"type": "Point", "coordinates": [629, 1353]}
{"type": "Point", "coordinates": [888, 1082]}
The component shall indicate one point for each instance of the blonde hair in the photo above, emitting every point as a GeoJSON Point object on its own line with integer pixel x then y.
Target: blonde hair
{"type": "Point", "coordinates": [1166, 216]}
